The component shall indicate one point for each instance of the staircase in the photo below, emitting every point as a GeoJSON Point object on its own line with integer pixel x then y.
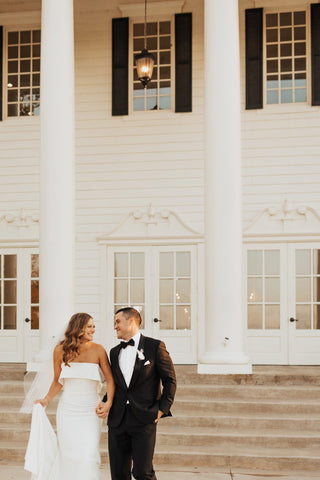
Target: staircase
{"type": "Point", "coordinates": [266, 421]}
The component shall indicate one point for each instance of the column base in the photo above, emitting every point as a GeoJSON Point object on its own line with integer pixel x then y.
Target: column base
{"type": "Point", "coordinates": [223, 363]}
{"type": "Point", "coordinates": [225, 369]}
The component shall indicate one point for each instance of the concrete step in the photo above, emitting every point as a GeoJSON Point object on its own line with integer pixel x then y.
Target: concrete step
{"type": "Point", "coordinates": [288, 408]}
{"type": "Point", "coordinates": [249, 392]}
{"type": "Point", "coordinates": [12, 371]}
{"type": "Point", "coordinates": [262, 375]}
{"type": "Point", "coordinates": [235, 457]}
{"type": "Point", "coordinates": [190, 438]}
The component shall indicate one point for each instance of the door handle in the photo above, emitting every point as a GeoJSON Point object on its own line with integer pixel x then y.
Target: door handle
{"type": "Point", "coordinates": [293, 319]}
{"type": "Point", "coordinates": [156, 320]}
{"type": "Point", "coordinates": [27, 320]}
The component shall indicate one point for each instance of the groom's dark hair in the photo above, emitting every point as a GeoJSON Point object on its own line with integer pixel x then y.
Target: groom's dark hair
{"type": "Point", "coordinates": [130, 312]}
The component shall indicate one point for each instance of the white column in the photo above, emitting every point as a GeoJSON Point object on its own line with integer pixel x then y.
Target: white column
{"type": "Point", "coordinates": [57, 172]}
{"type": "Point", "coordinates": [224, 327]}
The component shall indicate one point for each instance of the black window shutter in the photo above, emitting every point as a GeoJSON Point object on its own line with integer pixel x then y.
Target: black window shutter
{"type": "Point", "coordinates": [254, 58]}
{"type": "Point", "coordinates": [315, 53]}
{"type": "Point", "coordinates": [183, 63]}
{"type": "Point", "coordinates": [1, 71]}
{"type": "Point", "coordinates": [120, 43]}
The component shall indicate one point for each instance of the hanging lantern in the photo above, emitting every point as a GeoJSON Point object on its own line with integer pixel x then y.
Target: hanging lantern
{"type": "Point", "coordinates": [144, 60]}
{"type": "Point", "coordinates": [144, 63]}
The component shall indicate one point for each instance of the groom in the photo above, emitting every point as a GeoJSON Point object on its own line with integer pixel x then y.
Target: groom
{"type": "Point", "coordinates": [140, 365]}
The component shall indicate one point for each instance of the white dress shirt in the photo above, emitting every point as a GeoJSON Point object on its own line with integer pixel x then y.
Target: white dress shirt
{"type": "Point", "coordinates": [127, 358]}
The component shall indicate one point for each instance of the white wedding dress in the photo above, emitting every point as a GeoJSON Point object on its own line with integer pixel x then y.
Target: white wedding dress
{"type": "Point", "coordinates": [78, 429]}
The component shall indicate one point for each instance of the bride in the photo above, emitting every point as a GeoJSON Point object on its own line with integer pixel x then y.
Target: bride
{"type": "Point", "coordinates": [76, 369]}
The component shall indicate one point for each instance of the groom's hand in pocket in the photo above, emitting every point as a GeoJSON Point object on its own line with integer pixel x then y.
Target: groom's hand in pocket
{"type": "Point", "coordinates": [158, 417]}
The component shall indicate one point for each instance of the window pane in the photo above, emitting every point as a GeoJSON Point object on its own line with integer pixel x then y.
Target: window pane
{"type": "Point", "coordinates": [316, 317]}
{"type": "Point", "coordinates": [299, 33]}
{"type": "Point", "coordinates": [286, 96]}
{"type": "Point", "coordinates": [10, 291]}
{"type": "Point", "coordinates": [166, 264]}
{"type": "Point", "coordinates": [120, 264]}
{"type": "Point", "coordinates": [121, 291]}
{"type": "Point", "coordinates": [255, 316]}
{"type": "Point", "coordinates": [165, 103]}
{"type": "Point", "coordinates": [138, 29]}
{"type": "Point", "coordinates": [254, 262]}
{"type": "Point", "coordinates": [285, 34]}
{"type": "Point", "coordinates": [255, 290]}
{"type": "Point", "coordinates": [34, 318]}
{"type": "Point", "coordinates": [9, 318]}
{"type": "Point", "coordinates": [272, 262]}
{"type": "Point", "coordinates": [137, 264]}
{"type": "Point", "coordinates": [25, 37]}
{"type": "Point", "coordinates": [303, 289]}
{"type": "Point", "coordinates": [301, 95]}
{"type": "Point", "coordinates": [303, 314]}
{"type": "Point", "coordinates": [316, 262]}
{"type": "Point", "coordinates": [183, 264]}
{"type": "Point", "coordinates": [35, 265]}
{"type": "Point", "coordinates": [272, 35]}
{"type": "Point", "coordinates": [137, 291]}
{"type": "Point", "coordinates": [35, 291]}
{"type": "Point", "coordinates": [164, 27]}
{"type": "Point", "coordinates": [272, 20]}
{"type": "Point", "coordinates": [299, 18]}
{"type": "Point", "coordinates": [272, 316]}
{"type": "Point", "coordinates": [166, 291]}
{"type": "Point", "coordinates": [13, 38]}
{"type": "Point", "coordinates": [272, 97]}
{"type": "Point", "coordinates": [10, 266]}
{"type": "Point", "coordinates": [152, 28]}
{"type": "Point", "coordinates": [300, 48]}
{"type": "Point", "coordinates": [166, 317]}
{"type": "Point", "coordinates": [303, 262]}
{"type": "Point", "coordinates": [138, 104]}
{"type": "Point", "coordinates": [272, 289]}
{"type": "Point", "coordinates": [183, 317]}
{"type": "Point", "coordinates": [13, 66]}
{"type": "Point", "coordinates": [272, 66]}
{"type": "Point", "coordinates": [286, 50]}
{"type": "Point", "coordinates": [151, 103]}
{"type": "Point", "coordinates": [285, 18]}
{"type": "Point", "coordinates": [183, 290]}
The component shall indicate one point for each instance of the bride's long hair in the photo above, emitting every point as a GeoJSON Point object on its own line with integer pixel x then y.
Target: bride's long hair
{"type": "Point", "coordinates": [72, 337]}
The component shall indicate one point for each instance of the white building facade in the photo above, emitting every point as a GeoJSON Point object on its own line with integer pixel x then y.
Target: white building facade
{"type": "Point", "coordinates": [195, 200]}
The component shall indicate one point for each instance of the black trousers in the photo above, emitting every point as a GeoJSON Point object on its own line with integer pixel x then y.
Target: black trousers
{"type": "Point", "coordinates": [132, 444]}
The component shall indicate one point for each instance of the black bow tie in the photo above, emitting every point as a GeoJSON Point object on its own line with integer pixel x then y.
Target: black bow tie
{"type": "Point", "coordinates": [125, 344]}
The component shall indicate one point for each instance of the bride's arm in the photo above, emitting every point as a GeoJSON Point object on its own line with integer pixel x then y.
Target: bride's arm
{"type": "Point", "coordinates": [55, 386]}
{"type": "Point", "coordinates": [104, 407]}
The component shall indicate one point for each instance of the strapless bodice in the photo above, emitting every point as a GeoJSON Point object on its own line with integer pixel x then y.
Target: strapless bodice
{"type": "Point", "coordinates": [80, 378]}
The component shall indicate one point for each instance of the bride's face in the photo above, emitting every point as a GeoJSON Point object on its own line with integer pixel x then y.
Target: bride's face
{"type": "Point", "coordinates": [88, 331]}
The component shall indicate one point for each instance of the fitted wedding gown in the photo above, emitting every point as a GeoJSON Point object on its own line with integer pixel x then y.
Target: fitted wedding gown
{"type": "Point", "coordinates": [78, 429]}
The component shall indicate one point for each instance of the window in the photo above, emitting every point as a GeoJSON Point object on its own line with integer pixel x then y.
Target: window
{"type": "Point", "coordinates": [34, 292]}
{"type": "Point", "coordinates": [263, 289]}
{"type": "Point", "coordinates": [8, 291]}
{"type": "Point", "coordinates": [286, 65]}
{"type": "Point", "coordinates": [157, 94]}
{"type": "Point", "coordinates": [23, 73]}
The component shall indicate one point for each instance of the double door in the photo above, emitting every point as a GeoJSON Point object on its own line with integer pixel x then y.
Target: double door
{"type": "Point", "coordinates": [19, 304]}
{"type": "Point", "coordinates": [160, 282]}
{"type": "Point", "coordinates": [283, 303]}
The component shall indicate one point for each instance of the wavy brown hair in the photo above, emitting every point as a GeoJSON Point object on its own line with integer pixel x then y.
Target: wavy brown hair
{"type": "Point", "coordinates": [72, 336]}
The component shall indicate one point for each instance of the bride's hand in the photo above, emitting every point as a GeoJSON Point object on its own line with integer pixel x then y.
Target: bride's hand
{"type": "Point", "coordinates": [102, 409]}
{"type": "Point", "coordinates": [43, 401]}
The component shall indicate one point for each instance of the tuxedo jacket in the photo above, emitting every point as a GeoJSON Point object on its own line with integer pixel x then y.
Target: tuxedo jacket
{"type": "Point", "coordinates": [152, 386]}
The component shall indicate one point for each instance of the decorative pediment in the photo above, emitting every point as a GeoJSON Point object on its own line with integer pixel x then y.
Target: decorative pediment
{"type": "Point", "coordinates": [283, 220]}
{"type": "Point", "coordinates": [18, 226]}
{"type": "Point", "coordinates": [150, 224]}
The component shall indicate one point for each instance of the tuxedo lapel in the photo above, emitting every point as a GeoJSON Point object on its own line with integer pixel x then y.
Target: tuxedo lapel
{"type": "Point", "coordinates": [117, 369]}
{"type": "Point", "coordinates": [138, 363]}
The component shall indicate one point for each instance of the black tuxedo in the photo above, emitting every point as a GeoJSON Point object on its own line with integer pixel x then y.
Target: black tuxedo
{"type": "Point", "coordinates": [131, 418]}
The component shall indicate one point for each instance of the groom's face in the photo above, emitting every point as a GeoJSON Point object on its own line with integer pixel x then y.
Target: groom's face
{"type": "Point", "coordinates": [123, 326]}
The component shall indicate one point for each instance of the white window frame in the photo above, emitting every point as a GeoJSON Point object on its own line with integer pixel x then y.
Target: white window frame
{"type": "Point", "coordinates": [158, 18]}
{"type": "Point", "coordinates": [6, 29]}
{"type": "Point", "coordinates": [293, 105]}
